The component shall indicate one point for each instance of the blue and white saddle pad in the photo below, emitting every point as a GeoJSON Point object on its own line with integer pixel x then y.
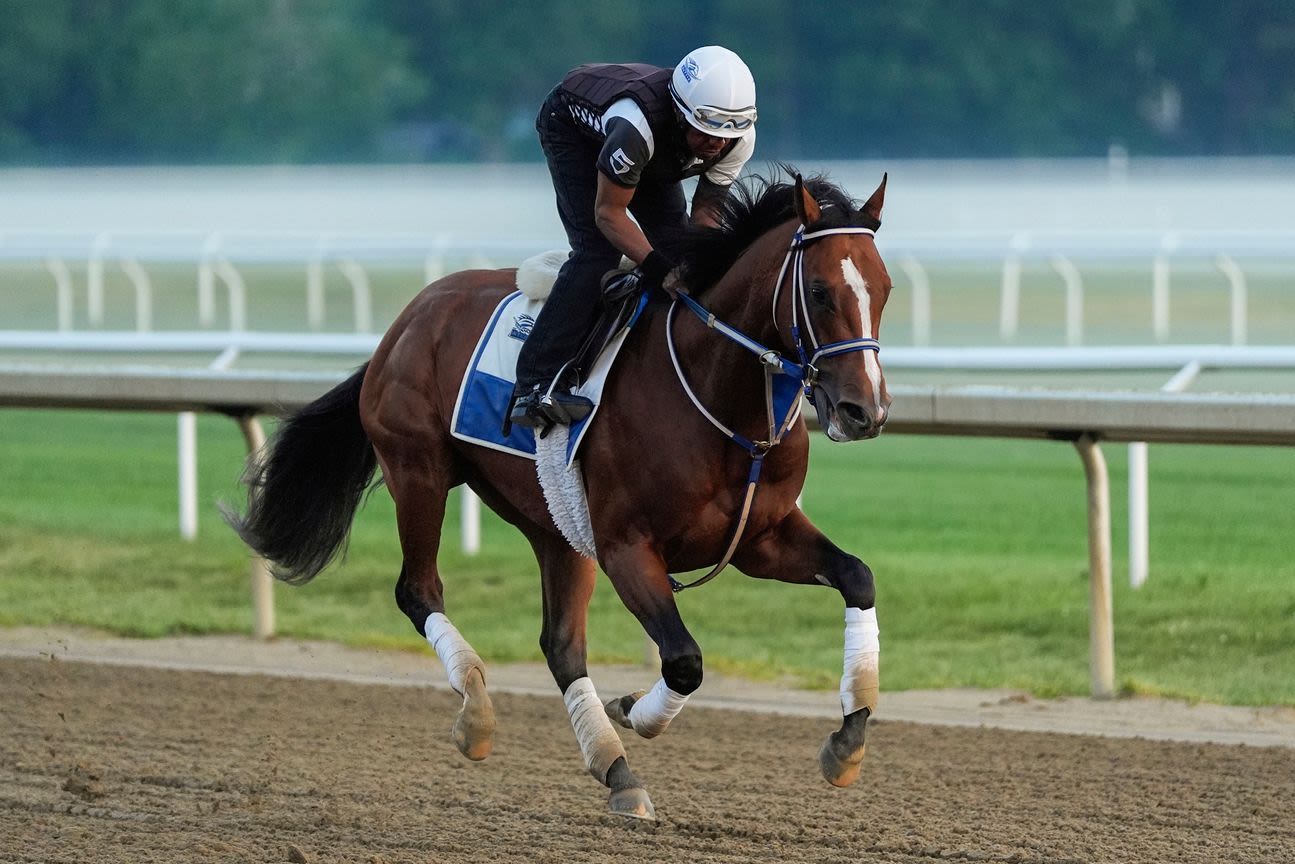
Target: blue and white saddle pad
{"type": "Point", "coordinates": [487, 387]}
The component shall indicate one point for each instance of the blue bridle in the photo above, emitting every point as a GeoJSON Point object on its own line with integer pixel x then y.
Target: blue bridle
{"type": "Point", "coordinates": [786, 381]}
{"type": "Point", "coordinates": [806, 371]}
{"type": "Point", "coordinates": [795, 259]}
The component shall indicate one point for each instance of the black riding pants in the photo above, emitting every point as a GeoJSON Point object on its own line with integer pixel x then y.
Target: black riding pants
{"type": "Point", "coordinates": [574, 305]}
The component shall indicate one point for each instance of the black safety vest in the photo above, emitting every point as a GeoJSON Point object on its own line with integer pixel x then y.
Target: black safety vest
{"type": "Point", "coordinates": [588, 91]}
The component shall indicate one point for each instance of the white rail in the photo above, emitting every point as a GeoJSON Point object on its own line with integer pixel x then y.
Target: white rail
{"type": "Point", "coordinates": [349, 252]}
{"type": "Point", "coordinates": [1169, 357]}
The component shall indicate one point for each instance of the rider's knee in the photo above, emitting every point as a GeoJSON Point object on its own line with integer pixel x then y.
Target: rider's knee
{"type": "Point", "coordinates": [682, 674]}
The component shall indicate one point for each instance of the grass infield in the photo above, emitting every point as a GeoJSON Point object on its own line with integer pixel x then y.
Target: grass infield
{"type": "Point", "coordinates": [979, 547]}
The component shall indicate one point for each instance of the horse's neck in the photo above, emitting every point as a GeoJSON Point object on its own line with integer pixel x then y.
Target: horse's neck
{"type": "Point", "coordinates": [743, 298]}
{"type": "Point", "coordinates": [721, 372]}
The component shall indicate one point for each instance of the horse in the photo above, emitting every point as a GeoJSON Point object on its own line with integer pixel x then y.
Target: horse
{"type": "Point", "coordinates": [788, 293]}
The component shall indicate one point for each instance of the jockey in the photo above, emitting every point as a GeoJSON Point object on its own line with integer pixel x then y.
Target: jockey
{"type": "Point", "coordinates": [618, 139]}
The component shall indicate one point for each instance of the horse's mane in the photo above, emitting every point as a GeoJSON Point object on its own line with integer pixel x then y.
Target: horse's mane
{"type": "Point", "coordinates": [753, 206]}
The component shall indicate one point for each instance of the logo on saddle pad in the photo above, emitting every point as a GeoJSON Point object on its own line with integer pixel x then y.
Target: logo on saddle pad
{"type": "Point", "coordinates": [620, 162]}
{"type": "Point", "coordinates": [522, 325]}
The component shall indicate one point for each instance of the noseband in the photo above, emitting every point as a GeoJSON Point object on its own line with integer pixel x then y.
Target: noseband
{"type": "Point", "coordinates": [786, 381]}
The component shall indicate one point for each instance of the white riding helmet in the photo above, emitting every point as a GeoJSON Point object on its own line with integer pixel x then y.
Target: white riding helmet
{"type": "Point", "coordinates": [715, 92]}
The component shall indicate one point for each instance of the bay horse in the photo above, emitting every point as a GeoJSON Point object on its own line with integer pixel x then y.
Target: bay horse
{"type": "Point", "coordinates": [793, 278]}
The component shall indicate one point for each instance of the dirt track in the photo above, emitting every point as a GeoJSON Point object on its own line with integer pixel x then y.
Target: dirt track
{"type": "Point", "coordinates": [118, 764]}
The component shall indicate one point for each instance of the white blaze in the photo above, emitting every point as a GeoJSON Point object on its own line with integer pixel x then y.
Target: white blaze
{"type": "Point", "coordinates": [871, 365]}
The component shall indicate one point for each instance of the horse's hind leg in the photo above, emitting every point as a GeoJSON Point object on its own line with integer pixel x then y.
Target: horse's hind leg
{"type": "Point", "coordinates": [419, 485]}
{"type": "Point", "coordinates": [568, 580]}
{"type": "Point", "coordinates": [797, 552]}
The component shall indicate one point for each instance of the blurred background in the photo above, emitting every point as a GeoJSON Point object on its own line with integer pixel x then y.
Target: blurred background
{"type": "Point", "coordinates": [410, 118]}
{"type": "Point", "coordinates": [1126, 133]}
{"type": "Point", "coordinates": [111, 82]}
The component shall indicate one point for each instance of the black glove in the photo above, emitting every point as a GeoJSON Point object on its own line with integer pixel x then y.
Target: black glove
{"type": "Point", "coordinates": [618, 284]}
{"type": "Point", "coordinates": [655, 268]}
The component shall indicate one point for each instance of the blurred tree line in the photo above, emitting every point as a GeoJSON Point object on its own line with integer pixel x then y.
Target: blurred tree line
{"type": "Point", "coordinates": [184, 81]}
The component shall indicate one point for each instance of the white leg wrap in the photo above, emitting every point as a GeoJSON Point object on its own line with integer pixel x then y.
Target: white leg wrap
{"type": "Point", "coordinates": [653, 713]}
{"type": "Point", "coordinates": [599, 742]}
{"type": "Point", "coordinates": [859, 682]}
{"type": "Point", "coordinates": [453, 649]}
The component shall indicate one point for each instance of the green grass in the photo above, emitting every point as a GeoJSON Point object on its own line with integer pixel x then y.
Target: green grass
{"type": "Point", "coordinates": [979, 547]}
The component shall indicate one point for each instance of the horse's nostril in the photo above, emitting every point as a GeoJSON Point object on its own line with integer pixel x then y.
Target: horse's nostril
{"type": "Point", "coordinates": [854, 415]}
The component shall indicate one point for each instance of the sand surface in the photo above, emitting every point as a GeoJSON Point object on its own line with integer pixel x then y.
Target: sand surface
{"type": "Point", "coordinates": [129, 760]}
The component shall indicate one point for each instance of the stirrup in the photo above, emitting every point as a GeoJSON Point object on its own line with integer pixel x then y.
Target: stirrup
{"type": "Point", "coordinates": [565, 408]}
{"type": "Point", "coordinates": [527, 412]}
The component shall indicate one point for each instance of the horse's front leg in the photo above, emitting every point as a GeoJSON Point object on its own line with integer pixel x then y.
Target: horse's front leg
{"type": "Point", "coordinates": [640, 578]}
{"type": "Point", "coordinates": [795, 551]}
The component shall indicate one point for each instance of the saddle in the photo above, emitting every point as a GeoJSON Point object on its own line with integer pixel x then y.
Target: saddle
{"type": "Point", "coordinates": [619, 300]}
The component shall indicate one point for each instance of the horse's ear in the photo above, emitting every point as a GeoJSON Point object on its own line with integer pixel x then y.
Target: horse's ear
{"type": "Point", "coordinates": [872, 208]}
{"type": "Point", "coordinates": [806, 207]}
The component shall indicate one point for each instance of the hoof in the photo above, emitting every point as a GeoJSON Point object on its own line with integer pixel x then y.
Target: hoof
{"type": "Point", "coordinates": [837, 770]}
{"type": "Point", "coordinates": [618, 710]}
{"type": "Point", "coordinates": [632, 803]}
{"type": "Point", "coordinates": [474, 729]}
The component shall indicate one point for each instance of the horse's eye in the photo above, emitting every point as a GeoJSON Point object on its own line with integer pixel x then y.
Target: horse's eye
{"type": "Point", "coordinates": [818, 291]}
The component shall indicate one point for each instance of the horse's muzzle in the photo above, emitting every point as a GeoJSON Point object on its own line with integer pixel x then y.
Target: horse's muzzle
{"type": "Point", "coordinates": [856, 422]}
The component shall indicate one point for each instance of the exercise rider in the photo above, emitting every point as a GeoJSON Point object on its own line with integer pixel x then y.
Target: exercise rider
{"type": "Point", "coordinates": [619, 139]}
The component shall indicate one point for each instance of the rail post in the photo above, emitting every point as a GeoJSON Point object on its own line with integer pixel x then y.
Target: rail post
{"type": "Point", "coordinates": [58, 268]}
{"type": "Point", "coordinates": [921, 299]}
{"type": "Point", "coordinates": [1009, 310]}
{"type": "Point", "coordinates": [207, 280]}
{"type": "Point", "coordinates": [434, 262]}
{"type": "Point", "coordinates": [1237, 294]}
{"type": "Point", "coordinates": [261, 581]}
{"type": "Point", "coordinates": [187, 456]}
{"type": "Point", "coordinates": [94, 281]}
{"type": "Point", "coordinates": [1140, 486]}
{"type": "Point", "coordinates": [1160, 288]}
{"type": "Point", "coordinates": [237, 294]}
{"type": "Point", "coordinates": [315, 286]}
{"type": "Point", "coordinates": [361, 294]}
{"type": "Point", "coordinates": [1101, 625]}
{"type": "Point", "coordinates": [143, 286]}
{"type": "Point", "coordinates": [1069, 274]}
{"type": "Point", "coordinates": [470, 522]}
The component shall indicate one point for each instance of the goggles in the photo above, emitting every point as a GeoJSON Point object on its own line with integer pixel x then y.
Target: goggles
{"type": "Point", "coordinates": [718, 119]}
{"type": "Point", "coordinates": [724, 118]}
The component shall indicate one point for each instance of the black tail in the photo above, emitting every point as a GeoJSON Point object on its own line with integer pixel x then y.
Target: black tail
{"type": "Point", "coordinates": [303, 494]}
